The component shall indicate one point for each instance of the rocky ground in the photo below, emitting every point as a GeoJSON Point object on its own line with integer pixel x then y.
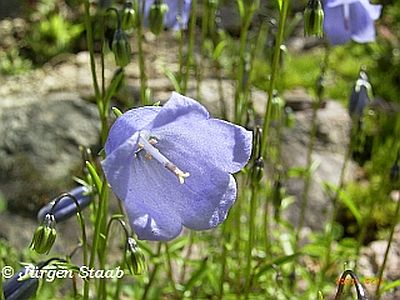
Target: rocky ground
{"type": "Point", "coordinates": [47, 113]}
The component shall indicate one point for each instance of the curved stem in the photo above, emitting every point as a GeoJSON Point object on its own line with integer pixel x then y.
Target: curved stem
{"type": "Point", "coordinates": [81, 222]}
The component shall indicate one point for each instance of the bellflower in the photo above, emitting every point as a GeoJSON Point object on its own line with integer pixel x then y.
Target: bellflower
{"type": "Point", "coordinates": [17, 288]}
{"type": "Point", "coordinates": [177, 16]}
{"type": "Point", "coordinates": [350, 20]}
{"type": "Point", "coordinates": [172, 166]}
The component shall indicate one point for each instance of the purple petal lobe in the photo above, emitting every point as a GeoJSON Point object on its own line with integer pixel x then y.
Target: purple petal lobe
{"type": "Point", "coordinates": [126, 125]}
{"type": "Point", "coordinates": [116, 166]}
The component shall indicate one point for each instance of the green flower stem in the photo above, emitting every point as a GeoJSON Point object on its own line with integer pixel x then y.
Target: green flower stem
{"type": "Point", "coordinates": [153, 273]}
{"type": "Point", "coordinates": [189, 57]}
{"type": "Point", "coordinates": [99, 99]}
{"type": "Point", "coordinates": [335, 207]}
{"type": "Point", "coordinates": [224, 241]}
{"type": "Point", "coordinates": [170, 272]}
{"type": "Point", "coordinates": [274, 73]}
{"type": "Point", "coordinates": [187, 256]}
{"type": "Point", "coordinates": [142, 66]}
{"type": "Point", "coordinates": [240, 100]}
{"type": "Point", "coordinates": [308, 176]}
{"type": "Point", "coordinates": [102, 288]}
{"type": "Point", "coordinates": [390, 239]}
{"type": "Point", "coordinates": [251, 236]}
{"type": "Point", "coordinates": [98, 230]}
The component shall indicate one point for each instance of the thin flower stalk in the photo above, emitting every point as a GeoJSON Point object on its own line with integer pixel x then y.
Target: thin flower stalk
{"type": "Point", "coordinates": [274, 72]}
{"type": "Point", "coordinates": [247, 13]}
{"type": "Point", "coordinates": [142, 66]}
{"type": "Point", "coordinates": [389, 244]}
{"type": "Point", "coordinates": [153, 273]}
{"type": "Point", "coordinates": [310, 149]}
{"type": "Point", "coordinates": [189, 56]}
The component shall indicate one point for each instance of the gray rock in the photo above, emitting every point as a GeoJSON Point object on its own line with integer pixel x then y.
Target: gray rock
{"type": "Point", "coordinates": [333, 125]}
{"type": "Point", "coordinates": [371, 259]}
{"type": "Point", "coordinates": [39, 148]}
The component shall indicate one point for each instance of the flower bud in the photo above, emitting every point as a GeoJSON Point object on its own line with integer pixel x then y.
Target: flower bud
{"type": "Point", "coordinates": [134, 257]}
{"type": "Point", "coordinates": [313, 19]}
{"type": "Point", "coordinates": [360, 96]}
{"type": "Point", "coordinates": [18, 288]}
{"type": "Point", "coordinates": [121, 48]}
{"type": "Point", "coordinates": [45, 235]}
{"type": "Point", "coordinates": [128, 16]}
{"type": "Point", "coordinates": [395, 173]}
{"type": "Point", "coordinates": [156, 16]}
{"type": "Point", "coordinates": [66, 207]}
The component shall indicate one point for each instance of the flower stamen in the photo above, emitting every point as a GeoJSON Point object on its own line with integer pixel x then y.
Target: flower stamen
{"type": "Point", "coordinates": [153, 152]}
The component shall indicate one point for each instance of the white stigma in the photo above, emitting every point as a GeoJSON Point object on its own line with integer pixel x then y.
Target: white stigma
{"type": "Point", "coordinates": [153, 152]}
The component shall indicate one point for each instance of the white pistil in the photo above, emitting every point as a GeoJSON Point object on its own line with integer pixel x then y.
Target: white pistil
{"type": "Point", "coordinates": [153, 152]}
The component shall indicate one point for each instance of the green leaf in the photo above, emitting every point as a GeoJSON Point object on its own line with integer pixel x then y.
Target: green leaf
{"type": "Point", "coordinates": [117, 112]}
{"type": "Point", "coordinates": [391, 285]}
{"type": "Point", "coordinates": [276, 262]}
{"type": "Point", "coordinates": [348, 201]}
{"type": "Point", "coordinates": [95, 177]}
{"type": "Point", "coordinates": [197, 276]}
{"type": "Point", "coordinates": [218, 50]}
{"type": "Point", "coordinates": [241, 9]}
{"type": "Point", "coordinates": [173, 80]}
{"type": "Point", "coordinates": [280, 4]}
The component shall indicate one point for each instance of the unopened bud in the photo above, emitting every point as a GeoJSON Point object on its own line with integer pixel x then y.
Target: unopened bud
{"type": "Point", "coordinates": [156, 16]}
{"type": "Point", "coordinates": [66, 207]}
{"type": "Point", "coordinates": [360, 96]}
{"type": "Point", "coordinates": [121, 48]}
{"type": "Point", "coordinates": [395, 173]}
{"type": "Point", "coordinates": [45, 235]}
{"type": "Point", "coordinates": [313, 19]}
{"type": "Point", "coordinates": [134, 257]}
{"type": "Point", "coordinates": [129, 18]}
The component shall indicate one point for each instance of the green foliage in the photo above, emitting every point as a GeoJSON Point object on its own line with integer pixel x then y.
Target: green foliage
{"type": "Point", "coordinates": [51, 36]}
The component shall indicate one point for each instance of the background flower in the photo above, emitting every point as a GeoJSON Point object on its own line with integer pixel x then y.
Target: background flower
{"type": "Point", "coordinates": [177, 16]}
{"type": "Point", "coordinates": [350, 19]}
{"type": "Point", "coordinates": [158, 198]}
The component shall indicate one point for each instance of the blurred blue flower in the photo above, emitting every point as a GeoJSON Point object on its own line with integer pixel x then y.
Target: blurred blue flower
{"type": "Point", "coordinates": [172, 166]}
{"type": "Point", "coordinates": [350, 20]}
{"type": "Point", "coordinates": [177, 16]}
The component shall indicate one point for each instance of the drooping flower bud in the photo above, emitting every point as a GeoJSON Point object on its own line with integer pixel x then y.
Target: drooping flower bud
{"type": "Point", "coordinates": [66, 207]}
{"type": "Point", "coordinates": [20, 288]}
{"type": "Point", "coordinates": [313, 19]}
{"type": "Point", "coordinates": [360, 96]}
{"type": "Point", "coordinates": [134, 257]}
{"type": "Point", "coordinates": [129, 18]}
{"type": "Point", "coordinates": [395, 171]}
{"type": "Point", "coordinates": [156, 16]}
{"type": "Point", "coordinates": [45, 235]}
{"type": "Point", "coordinates": [258, 165]}
{"type": "Point", "coordinates": [121, 48]}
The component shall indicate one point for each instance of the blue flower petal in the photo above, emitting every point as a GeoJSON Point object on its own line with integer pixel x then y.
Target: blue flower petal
{"type": "Point", "coordinates": [126, 125]}
{"type": "Point", "coordinates": [116, 165]}
{"type": "Point", "coordinates": [178, 14]}
{"type": "Point", "coordinates": [195, 135]}
{"type": "Point", "coordinates": [335, 27]}
{"type": "Point", "coordinates": [157, 203]}
{"type": "Point", "coordinates": [362, 26]}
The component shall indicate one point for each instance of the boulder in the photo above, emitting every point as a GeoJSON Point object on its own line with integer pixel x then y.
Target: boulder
{"type": "Point", "coordinates": [39, 148]}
